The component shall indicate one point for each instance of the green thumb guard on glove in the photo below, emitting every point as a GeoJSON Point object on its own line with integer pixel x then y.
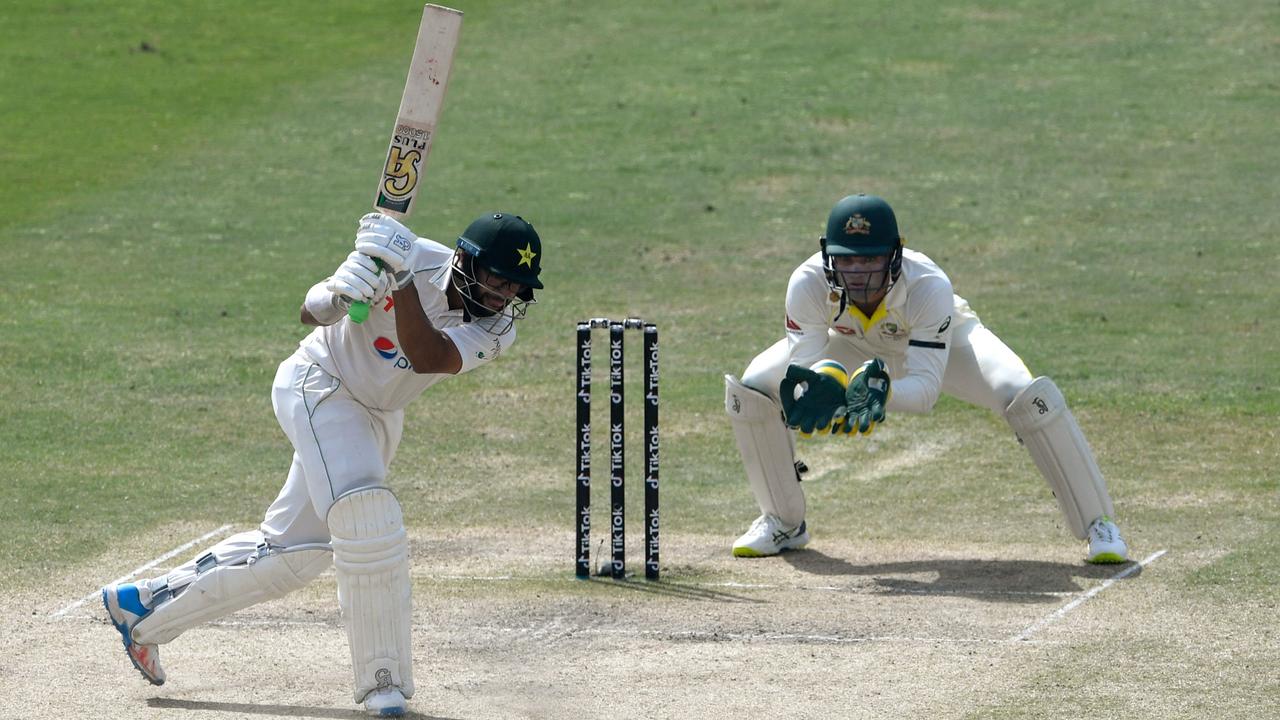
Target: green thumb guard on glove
{"type": "Point", "coordinates": [823, 397]}
{"type": "Point", "coordinates": [866, 397]}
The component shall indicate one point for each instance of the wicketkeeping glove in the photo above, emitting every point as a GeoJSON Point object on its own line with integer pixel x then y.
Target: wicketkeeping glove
{"type": "Point", "coordinates": [823, 398]}
{"type": "Point", "coordinates": [866, 397]}
{"type": "Point", "coordinates": [383, 237]}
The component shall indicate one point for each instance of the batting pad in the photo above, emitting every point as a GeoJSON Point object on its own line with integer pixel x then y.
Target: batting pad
{"type": "Point", "coordinates": [371, 557]}
{"type": "Point", "coordinates": [263, 574]}
{"type": "Point", "coordinates": [1045, 425]}
{"type": "Point", "coordinates": [768, 451]}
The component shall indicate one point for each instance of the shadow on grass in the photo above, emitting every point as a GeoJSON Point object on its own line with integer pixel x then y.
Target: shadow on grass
{"type": "Point", "coordinates": [241, 709]}
{"type": "Point", "coordinates": [1028, 581]}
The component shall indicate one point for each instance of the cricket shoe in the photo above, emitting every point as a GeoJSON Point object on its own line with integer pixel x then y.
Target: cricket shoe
{"type": "Point", "coordinates": [768, 536]}
{"type": "Point", "coordinates": [385, 702]}
{"type": "Point", "coordinates": [1105, 543]}
{"type": "Point", "coordinates": [124, 607]}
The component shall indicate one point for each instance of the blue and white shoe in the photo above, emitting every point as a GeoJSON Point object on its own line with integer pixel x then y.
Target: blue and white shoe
{"type": "Point", "coordinates": [385, 702]}
{"type": "Point", "coordinates": [124, 607]}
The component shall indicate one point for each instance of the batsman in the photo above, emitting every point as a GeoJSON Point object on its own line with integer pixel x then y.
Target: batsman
{"type": "Point", "coordinates": [340, 398]}
{"type": "Point", "coordinates": [889, 316]}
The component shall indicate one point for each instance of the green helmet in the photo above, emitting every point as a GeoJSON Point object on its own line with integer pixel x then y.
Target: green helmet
{"type": "Point", "coordinates": [506, 245]}
{"type": "Point", "coordinates": [862, 225]}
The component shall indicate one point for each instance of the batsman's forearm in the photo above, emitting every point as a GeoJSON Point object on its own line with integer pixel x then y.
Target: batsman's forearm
{"type": "Point", "coordinates": [428, 349]}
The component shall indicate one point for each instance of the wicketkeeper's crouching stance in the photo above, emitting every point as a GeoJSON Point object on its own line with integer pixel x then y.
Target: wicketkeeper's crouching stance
{"type": "Point", "coordinates": [889, 315]}
{"type": "Point", "coordinates": [340, 398]}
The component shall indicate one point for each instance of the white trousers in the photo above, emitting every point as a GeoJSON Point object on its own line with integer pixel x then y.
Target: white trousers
{"type": "Point", "coordinates": [339, 445]}
{"type": "Point", "coordinates": [981, 369]}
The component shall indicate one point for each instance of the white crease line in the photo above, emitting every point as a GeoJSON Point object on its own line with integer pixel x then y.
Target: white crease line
{"type": "Point", "coordinates": [834, 639]}
{"type": "Point", "coordinates": [957, 592]}
{"type": "Point", "coordinates": [1060, 612]}
{"type": "Point", "coordinates": [568, 633]}
{"type": "Point", "coordinates": [705, 635]}
{"type": "Point", "coordinates": [960, 592]}
{"type": "Point", "coordinates": [140, 570]}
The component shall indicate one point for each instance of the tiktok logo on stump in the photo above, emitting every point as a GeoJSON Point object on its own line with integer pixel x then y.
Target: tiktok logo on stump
{"type": "Point", "coordinates": [387, 349]}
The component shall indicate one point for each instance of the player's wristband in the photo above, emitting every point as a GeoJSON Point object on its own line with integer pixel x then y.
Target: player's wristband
{"type": "Point", "coordinates": [324, 306]}
{"type": "Point", "coordinates": [402, 279]}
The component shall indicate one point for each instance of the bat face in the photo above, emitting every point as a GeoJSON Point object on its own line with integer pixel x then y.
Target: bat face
{"type": "Point", "coordinates": [419, 110]}
{"type": "Point", "coordinates": [409, 146]}
{"type": "Point", "coordinates": [416, 124]}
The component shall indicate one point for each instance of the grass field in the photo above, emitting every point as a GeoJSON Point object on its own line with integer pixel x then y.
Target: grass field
{"type": "Point", "coordinates": [1098, 179]}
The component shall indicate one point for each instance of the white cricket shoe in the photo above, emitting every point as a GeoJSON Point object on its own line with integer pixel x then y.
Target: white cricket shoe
{"type": "Point", "coordinates": [1105, 543]}
{"type": "Point", "coordinates": [124, 607]}
{"type": "Point", "coordinates": [768, 536]}
{"type": "Point", "coordinates": [385, 702]}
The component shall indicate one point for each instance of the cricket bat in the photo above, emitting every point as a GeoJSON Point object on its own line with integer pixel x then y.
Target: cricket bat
{"type": "Point", "coordinates": [415, 125]}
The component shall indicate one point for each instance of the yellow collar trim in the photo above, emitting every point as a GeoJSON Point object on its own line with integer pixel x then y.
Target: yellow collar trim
{"type": "Point", "coordinates": [867, 322]}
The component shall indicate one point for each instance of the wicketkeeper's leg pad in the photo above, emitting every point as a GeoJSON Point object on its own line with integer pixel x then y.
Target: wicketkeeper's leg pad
{"type": "Point", "coordinates": [768, 451]}
{"type": "Point", "coordinates": [371, 557]}
{"type": "Point", "coordinates": [219, 588]}
{"type": "Point", "coordinates": [1044, 424]}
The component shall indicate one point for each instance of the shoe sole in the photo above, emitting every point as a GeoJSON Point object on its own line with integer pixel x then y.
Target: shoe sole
{"type": "Point", "coordinates": [394, 710]}
{"type": "Point", "coordinates": [123, 629]}
{"type": "Point", "coordinates": [749, 552]}
{"type": "Point", "coordinates": [1107, 558]}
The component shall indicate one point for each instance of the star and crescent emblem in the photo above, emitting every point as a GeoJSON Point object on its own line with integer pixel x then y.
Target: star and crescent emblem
{"type": "Point", "coordinates": [527, 255]}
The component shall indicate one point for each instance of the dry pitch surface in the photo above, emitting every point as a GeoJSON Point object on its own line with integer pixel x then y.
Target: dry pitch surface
{"type": "Point", "coordinates": [504, 631]}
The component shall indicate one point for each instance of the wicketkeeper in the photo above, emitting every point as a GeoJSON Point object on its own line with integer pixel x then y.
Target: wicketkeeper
{"type": "Point", "coordinates": [340, 398]}
{"type": "Point", "coordinates": [889, 315]}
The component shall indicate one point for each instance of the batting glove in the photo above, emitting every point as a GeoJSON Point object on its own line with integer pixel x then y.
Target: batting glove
{"type": "Point", "coordinates": [822, 399]}
{"type": "Point", "coordinates": [866, 397]}
{"type": "Point", "coordinates": [358, 278]}
{"type": "Point", "coordinates": [383, 237]}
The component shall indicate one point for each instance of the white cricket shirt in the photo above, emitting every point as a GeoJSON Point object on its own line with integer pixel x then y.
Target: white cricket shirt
{"type": "Point", "coordinates": [911, 330]}
{"type": "Point", "coordinates": [367, 358]}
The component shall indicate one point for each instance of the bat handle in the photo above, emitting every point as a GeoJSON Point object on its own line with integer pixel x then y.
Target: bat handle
{"type": "Point", "coordinates": [359, 310]}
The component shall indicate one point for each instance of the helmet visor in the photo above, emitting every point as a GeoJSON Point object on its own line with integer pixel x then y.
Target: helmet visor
{"type": "Point", "coordinates": [486, 294]}
{"type": "Point", "coordinates": [865, 278]}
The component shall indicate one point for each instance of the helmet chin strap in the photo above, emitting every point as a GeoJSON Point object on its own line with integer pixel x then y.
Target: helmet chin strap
{"type": "Point", "coordinates": [831, 280]}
